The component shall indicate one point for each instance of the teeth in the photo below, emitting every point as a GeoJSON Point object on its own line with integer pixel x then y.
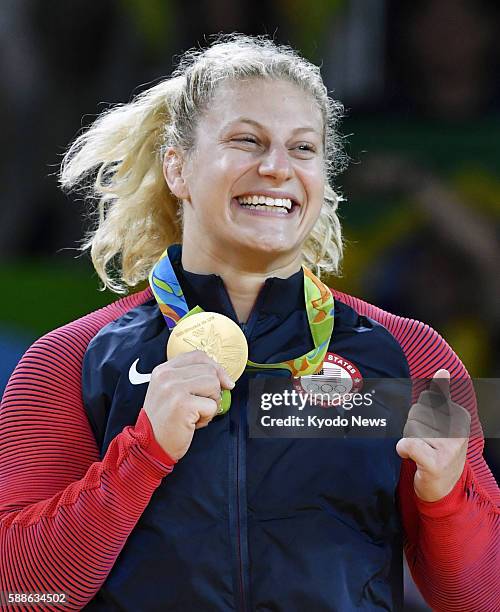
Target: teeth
{"type": "Point", "coordinates": [255, 200]}
{"type": "Point", "coordinates": [282, 211]}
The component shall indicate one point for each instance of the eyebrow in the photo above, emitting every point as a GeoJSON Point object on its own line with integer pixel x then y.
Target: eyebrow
{"type": "Point", "coordinates": [305, 128]}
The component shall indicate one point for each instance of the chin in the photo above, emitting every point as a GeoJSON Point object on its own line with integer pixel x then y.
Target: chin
{"type": "Point", "coordinates": [270, 245]}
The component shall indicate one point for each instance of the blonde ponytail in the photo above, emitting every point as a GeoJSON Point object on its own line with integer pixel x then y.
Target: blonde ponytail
{"type": "Point", "coordinates": [118, 162]}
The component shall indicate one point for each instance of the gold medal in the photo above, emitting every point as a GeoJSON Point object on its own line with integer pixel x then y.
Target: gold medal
{"type": "Point", "coordinates": [214, 334]}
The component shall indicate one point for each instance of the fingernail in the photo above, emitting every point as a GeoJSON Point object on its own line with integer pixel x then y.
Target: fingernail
{"type": "Point", "coordinates": [231, 383]}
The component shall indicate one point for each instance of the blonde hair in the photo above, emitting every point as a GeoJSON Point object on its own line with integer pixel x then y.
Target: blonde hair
{"type": "Point", "coordinates": [117, 162]}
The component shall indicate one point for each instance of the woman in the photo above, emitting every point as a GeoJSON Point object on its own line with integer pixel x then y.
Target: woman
{"type": "Point", "coordinates": [136, 496]}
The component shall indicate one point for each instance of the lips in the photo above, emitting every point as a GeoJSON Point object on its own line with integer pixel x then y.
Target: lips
{"type": "Point", "coordinates": [268, 203]}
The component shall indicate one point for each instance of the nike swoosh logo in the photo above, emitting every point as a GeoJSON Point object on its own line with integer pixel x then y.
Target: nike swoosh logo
{"type": "Point", "coordinates": [135, 377]}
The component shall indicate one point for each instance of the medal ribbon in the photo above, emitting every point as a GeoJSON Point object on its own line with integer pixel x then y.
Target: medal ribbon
{"type": "Point", "coordinates": [318, 300]}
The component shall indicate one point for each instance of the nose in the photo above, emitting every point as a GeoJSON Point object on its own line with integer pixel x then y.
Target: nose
{"type": "Point", "coordinates": [275, 163]}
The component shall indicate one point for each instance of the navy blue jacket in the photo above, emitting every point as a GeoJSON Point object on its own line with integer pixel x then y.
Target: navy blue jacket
{"type": "Point", "coordinates": [248, 523]}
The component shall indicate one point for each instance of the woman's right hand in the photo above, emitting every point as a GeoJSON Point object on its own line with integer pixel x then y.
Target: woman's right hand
{"type": "Point", "coordinates": [184, 395]}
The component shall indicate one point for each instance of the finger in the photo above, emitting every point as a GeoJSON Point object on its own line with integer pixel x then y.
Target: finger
{"type": "Point", "coordinates": [441, 443]}
{"type": "Point", "coordinates": [417, 429]}
{"type": "Point", "coordinates": [200, 357]}
{"type": "Point", "coordinates": [196, 370]}
{"type": "Point", "coordinates": [191, 358]}
{"type": "Point", "coordinates": [449, 418]}
{"type": "Point", "coordinates": [460, 426]}
{"type": "Point", "coordinates": [441, 383]}
{"type": "Point", "coordinates": [434, 399]}
{"type": "Point", "coordinates": [206, 409]}
{"type": "Point", "coordinates": [440, 422]}
{"type": "Point", "coordinates": [205, 385]}
{"type": "Point", "coordinates": [416, 449]}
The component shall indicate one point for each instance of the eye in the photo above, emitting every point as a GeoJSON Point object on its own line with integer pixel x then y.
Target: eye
{"type": "Point", "coordinates": [305, 146]}
{"type": "Point", "coordinates": [245, 139]}
{"type": "Point", "coordinates": [304, 150]}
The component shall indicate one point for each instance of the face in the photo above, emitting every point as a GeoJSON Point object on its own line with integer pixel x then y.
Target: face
{"type": "Point", "coordinates": [254, 184]}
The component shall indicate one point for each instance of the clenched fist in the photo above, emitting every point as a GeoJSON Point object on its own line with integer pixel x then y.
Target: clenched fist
{"type": "Point", "coordinates": [436, 437]}
{"type": "Point", "coordinates": [184, 395]}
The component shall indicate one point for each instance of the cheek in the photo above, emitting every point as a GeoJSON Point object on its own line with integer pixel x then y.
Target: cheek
{"type": "Point", "coordinates": [233, 165]}
{"type": "Point", "coordinates": [219, 175]}
{"type": "Point", "coordinates": [209, 183]}
{"type": "Point", "coordinates": [314, 183]}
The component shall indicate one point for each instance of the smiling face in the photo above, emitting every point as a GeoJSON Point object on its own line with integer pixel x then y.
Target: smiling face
{"type": "Point", "coordinates": [254, 184]}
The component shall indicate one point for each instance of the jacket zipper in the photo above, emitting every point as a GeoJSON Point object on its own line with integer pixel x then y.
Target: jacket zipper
{"type": "Point", "coordinates": [238, 515]}
{"type": "Point", "coordinates": [239, 425]}
{"type": "Point", "coordinates": [237, 505]}
{"type": "Point", "coordinates": [240, 482]}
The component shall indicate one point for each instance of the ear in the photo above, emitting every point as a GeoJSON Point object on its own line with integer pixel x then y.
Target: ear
{"type": "Point", "coordinates": [173, 172]}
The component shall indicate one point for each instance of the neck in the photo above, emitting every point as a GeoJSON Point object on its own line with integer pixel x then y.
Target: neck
{"type": "Point", "coordinates": [243, 279]}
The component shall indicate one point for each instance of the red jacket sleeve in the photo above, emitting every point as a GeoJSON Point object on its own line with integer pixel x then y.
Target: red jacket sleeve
{"type": "Point", "coordinates": [452, 545]}
{"type": "Point", "coordinates": [65, 515]}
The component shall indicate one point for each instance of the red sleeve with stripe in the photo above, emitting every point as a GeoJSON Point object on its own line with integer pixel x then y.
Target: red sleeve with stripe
{"type": "Point", "coordinates": [452, 545]}
{"type": "Point", "coordinates": [65, 515]}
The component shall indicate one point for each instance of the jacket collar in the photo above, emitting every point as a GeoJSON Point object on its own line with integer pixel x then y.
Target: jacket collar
{"type": "Point", "coordinates": [279, 297]}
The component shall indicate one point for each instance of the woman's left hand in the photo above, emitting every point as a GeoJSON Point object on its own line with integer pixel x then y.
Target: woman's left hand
{"type": "Point", "coordinates": [440, 460]}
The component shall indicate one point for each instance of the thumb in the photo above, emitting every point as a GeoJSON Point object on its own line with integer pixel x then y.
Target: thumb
{"type": "Point", "coordinates": [402, 448]}
{"type": "Point", "coordinates": [441, 383]}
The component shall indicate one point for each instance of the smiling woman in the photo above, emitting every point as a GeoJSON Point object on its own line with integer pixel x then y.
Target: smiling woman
{"type": "Point", "coordinates": [245, 105]}
{"type": "Point", "coordinates": [128, 482]}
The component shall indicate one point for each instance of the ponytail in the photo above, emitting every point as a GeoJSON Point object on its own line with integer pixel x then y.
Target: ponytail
{"type": "Point", "coordinates": [117, 162]}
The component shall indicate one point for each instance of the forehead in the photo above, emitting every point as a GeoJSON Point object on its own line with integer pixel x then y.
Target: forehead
{"type": "Point", "coordinates": [274, 104]}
